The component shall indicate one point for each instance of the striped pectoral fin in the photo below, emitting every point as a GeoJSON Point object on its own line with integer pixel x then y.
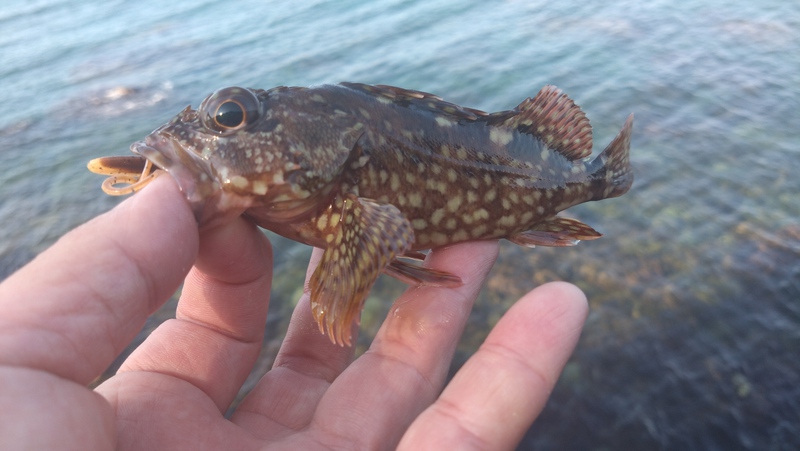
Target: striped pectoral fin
{"type": "Point", "coordinates": [364, 238]}
{"type": "Point", "coordinates": [555, 231]}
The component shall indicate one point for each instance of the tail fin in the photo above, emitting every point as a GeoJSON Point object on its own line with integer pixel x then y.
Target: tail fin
{"type": "Point", "coordinates": [611, 170]}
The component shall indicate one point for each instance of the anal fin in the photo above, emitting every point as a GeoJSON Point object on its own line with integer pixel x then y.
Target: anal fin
{"type": "Point", "coordinates": [363, 239]}
{"type": "Point", "coordinates": [555, 231]}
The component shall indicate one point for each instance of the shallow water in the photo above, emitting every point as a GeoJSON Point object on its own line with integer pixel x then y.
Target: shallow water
{"type": "Point", "coordinates": [694, 330]}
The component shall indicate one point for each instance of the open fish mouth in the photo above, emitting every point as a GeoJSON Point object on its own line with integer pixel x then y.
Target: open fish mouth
{"type": "Point", "coordinates": [159, 153]}
{"type": "Point", "coordinates": [127, 174]}
{"type": "Point", "coordinates": [154, 155]}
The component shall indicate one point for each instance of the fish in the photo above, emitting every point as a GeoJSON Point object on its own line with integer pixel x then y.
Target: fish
{"type": "Point", "coordinates": [375, 175]}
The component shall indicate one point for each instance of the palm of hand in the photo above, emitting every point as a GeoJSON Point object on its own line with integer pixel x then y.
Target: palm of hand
{"type": "Point", "coordinates": [172, 391]}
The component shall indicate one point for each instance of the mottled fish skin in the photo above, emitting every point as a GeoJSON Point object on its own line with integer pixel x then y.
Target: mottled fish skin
{"type": "Point", "coordinates": [373, 173]}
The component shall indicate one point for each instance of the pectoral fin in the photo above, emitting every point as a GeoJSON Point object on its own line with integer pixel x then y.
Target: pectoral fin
{"type": "Point", "coordinates": [555, 231]}
{"type": "Point", "coordinates": [363, 238]}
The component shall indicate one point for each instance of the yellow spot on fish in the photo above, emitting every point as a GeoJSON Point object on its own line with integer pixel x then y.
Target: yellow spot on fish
{"type": "Point", "coordinates": [490, 195]}
{"type": "Point", "coordinates": [437, 216]}
{"type": "Point", "coordinates": [526, 217]}
{"type": "Point", "coordinates": [419, 224]}
{"type": "Point", "coordinates": [239, 182]}
{"type": "Point", "coordinates": [481, 213]}
{"type": "Point", "coordinates": [453, 203]}
{"type": "Point", "coordinates": [460, 235]}
{"type": "Point", "coordinates": [500, 136]}
{"type": "Point", "coordinates": [508, 220]}
{"type": "Point", "coordinates": [322, 222]}
{"type": "Point", "coordinates": [444, 122]}
{"type": "Point", "coordinates": [394, 182]}
{"type": "Point", "coordinates": [452, 175]}
{"type": "Point", "coordinates": [259, 188]}
{"type": "Point", "coordinates": [478, 231]}
{"type": "Point", "coordinates": [415, 199]}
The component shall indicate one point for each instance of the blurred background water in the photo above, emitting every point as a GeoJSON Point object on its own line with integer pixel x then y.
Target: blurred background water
{"type": "Point", "coordinates": [694, 331]}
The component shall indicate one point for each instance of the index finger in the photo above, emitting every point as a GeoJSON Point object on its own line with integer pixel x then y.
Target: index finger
{"type": "Point", "coordinates": [78, 304]}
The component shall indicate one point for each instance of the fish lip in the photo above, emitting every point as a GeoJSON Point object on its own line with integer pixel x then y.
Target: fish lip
{"type": "Point", "coordinates": [161, 151]}
{"type": "Point", "coordinates": [153, 154]}
{"type": "Point", "coordinates": [193, 175]}
{"type": "Point", "coordinates": [196, 177]}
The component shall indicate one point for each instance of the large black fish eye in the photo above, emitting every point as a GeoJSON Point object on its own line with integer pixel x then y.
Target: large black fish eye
{"type": "Point", "coordinates": [230, 114]}
{"type": "Point", "coordinates": [229, 109]}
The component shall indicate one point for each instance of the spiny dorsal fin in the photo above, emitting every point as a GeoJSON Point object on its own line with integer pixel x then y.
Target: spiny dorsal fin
{"type": "Point", "coordinates": [418, 99]}
{"type": "Point", "coordinates": [552, 117]}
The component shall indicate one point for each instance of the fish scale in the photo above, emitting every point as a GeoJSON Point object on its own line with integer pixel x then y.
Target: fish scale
{"type": "Point", "coordinates": [374, 174]}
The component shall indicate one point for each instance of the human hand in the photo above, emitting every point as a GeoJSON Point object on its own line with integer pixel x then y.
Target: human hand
{"type": "Point", "coordinates": [65, 316]}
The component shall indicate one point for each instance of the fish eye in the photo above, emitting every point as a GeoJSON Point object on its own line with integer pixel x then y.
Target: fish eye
{"type": "Point", "coordinates": [229, 109]}
{"type": "Point", "coordinates": [230, 114]}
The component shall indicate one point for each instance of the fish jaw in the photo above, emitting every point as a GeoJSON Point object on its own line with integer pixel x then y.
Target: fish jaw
{"type": "Point", "coordinates": [196, 177]}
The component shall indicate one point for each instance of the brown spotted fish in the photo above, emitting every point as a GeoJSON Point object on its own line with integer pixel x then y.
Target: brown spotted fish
{"type": "Point", "coordinates": [373, 174]}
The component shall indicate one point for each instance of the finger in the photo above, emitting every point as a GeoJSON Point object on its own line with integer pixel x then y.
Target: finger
{"type": "Point", "coordinates": [75, 307]}
{"type": "Point", "coordinates": [217, 334]}
{"type": "Point", "coordinates": [497, 394]}
{"type": "Point", "coordinates": [287, 396]}
{"type": "Point", "coordinates": [374, 400]}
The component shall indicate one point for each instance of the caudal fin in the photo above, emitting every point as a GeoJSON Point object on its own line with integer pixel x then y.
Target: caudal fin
{"type": "Point", "coordinates": [613, 174]}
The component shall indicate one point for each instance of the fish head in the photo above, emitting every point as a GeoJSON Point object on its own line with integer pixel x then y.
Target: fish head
{"type": "Point", "coordinates": [229, 155]}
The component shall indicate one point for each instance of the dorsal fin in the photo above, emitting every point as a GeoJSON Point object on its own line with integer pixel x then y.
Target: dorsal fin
{"type": "Point", "coordinates": [552, 117]}
{"type": "Point", "coordinates": [418, 99]}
